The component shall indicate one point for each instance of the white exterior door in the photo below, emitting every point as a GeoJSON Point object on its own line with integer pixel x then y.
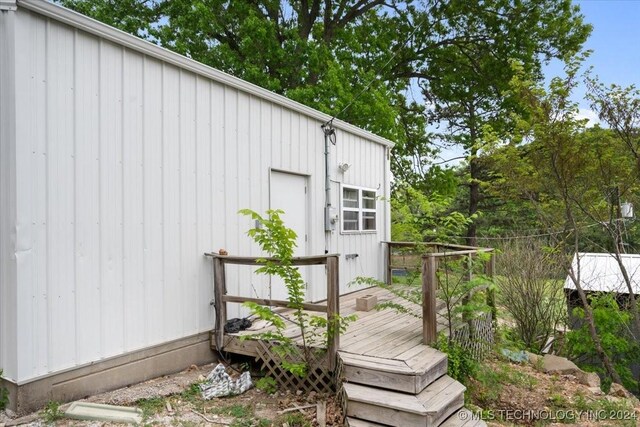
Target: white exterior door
{"type": "Point", "coordinates": [288, 192]}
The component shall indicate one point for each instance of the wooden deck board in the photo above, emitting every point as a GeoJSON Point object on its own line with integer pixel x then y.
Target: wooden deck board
{"type": "Point", "coordinates": [372, 338]}
{"type": "Point", "coordinates": [412, 352]}
{"type": "Point", "coordinates": [385, 398]}
{"type": "Point", "coordinates": [383, 365]}
{"type": "Point", "coordinates": [380, 333]}
{"type": "Point", "coordinates": [393, 353]}
{"type": "Point", "coordinates": [400, 337]}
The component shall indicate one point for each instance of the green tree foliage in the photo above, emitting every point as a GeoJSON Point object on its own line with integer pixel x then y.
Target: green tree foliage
{"type": "Point", "coordinates": [614, 327]}
{"type": "Point", "coordinates": [563, 170]}
{"type": "Point", "coordinates": [569, 175]}
{"type": "Point", "coordinates": [363, 60]}
{"type": "Point", "coordinates": [471, 77]}
{"type": "Point", "coordinates": [324, 54]}
{"type": "Point", "coordinates": [618, 107]}
{"type": "Point", "coordinates": [417, 217]}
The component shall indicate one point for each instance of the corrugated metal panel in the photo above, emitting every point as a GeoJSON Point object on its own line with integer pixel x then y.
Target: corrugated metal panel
{"type": "Point", "coordinates": [367, 170]}
{"type": "Point", "coordinates": [153, 250]}
{"type": "Point", "coordinates": [94, 27]}
{"type": "Point", "coordinates": [130, 169]}
{"type": "Point", "coordinates": [8, 265]}
{"type": "Point", "coordinates": [601, 272]}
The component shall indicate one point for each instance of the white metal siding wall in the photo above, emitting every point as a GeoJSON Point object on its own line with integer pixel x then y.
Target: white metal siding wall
{"type": "Point", "coordinates": [129, 169]}
{"type": "Point", "coordinates": [8, 289]}
{"type": "Point", "coordinates": [368, 170]}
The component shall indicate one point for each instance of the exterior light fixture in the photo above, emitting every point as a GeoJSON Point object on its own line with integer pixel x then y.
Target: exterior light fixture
{"type": "Point", "coordinates": [344, 167]}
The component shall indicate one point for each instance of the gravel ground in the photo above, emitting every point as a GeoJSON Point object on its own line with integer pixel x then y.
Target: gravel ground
{"type": "Point", "coordinates": [172, 400]}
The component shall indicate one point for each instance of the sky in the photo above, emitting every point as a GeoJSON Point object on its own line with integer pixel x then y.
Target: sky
{"type": "Point", "coordinates": [615, 42]}
{"type": "Point", "coordinates": [615, 57]}
{"type": "Point", "coordinates": [615, 39]}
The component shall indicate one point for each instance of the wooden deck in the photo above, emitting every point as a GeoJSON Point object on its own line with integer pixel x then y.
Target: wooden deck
{"type": "Point", "coordinates": [380, 366]}
{"type": "Point", "coordinates": [387, 375]}
{"type": "Point", "coordinates": [383, 334]}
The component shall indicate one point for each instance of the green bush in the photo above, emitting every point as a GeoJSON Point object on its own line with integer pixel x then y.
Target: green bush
{"type": "Point", "coordinates": [613, 325]}
{"type": "Point", "coordinates": [267, 384]}
{"type": "Point", "coordinates": [4, 396]}
{"type": "Point", "coordinates": [461, 365]}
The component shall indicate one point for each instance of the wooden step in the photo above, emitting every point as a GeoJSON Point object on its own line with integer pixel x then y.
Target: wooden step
{"type": "Point", "coordinates": [408, 374]}
{"type": "Point", "coordinates": [463, 418]}
{"type": "Point", "coordinates": [428, 408]}
{"type": "Point", "coordinates": [354, 422]}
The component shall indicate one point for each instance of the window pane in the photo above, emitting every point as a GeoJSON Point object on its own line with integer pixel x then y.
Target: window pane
{"type": "Point", "coordinates": [368, 220]}
{"type": "Point", "coordinates": [350, 221]}
{"type": "Point", "coordinates": [350, 198]}
{"type": "Point", "coordinates": [368, 199]}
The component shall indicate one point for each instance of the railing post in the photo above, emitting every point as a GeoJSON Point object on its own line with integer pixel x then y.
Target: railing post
{"type": "Point", "coordinates": [429, 286]}
{"type": "Point", "coordinates": [466, 316]}
{"type": "Point", "coordinates": [219, 290]}
{"type": "Point", "coordinates": [490, 265]}
{"type": "Point", "coordinates": [489, 269]}
{"type": "Point", "coordinates": [389, 277]}
{"type": "Point", "coordinates": [333, 309]}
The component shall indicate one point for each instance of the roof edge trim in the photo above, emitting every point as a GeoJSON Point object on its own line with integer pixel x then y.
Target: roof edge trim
{"type": "Point", "coordinates": [8, 5]}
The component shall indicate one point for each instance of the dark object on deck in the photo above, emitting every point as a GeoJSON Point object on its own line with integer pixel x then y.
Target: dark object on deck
{"type": "Point", "coordinates": [236, 325]}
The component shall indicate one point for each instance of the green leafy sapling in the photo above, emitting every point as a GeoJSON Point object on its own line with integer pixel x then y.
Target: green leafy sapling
{"type": "Point", "coordinates": [279, 242]}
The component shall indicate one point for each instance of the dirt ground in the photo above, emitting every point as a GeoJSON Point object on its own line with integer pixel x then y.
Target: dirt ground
{"type": "Point", "coordinates": [175, 400]}
{"type": "Point", "coordinates": [502, 393]}
{"type": "Point", "coordinates": [520, 394]}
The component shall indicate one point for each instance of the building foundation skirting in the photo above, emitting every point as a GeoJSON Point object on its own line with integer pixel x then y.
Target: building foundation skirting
{"type": "Point", "coordinates": [109, 374]}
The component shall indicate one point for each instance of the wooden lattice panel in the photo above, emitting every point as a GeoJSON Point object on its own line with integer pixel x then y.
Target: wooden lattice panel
{"type": "Point", "coordinates": [339, 379]}
{"type": "Point", "coordinates": [318, 378]}
{"type": "Point", "coordinates": [476, 336]}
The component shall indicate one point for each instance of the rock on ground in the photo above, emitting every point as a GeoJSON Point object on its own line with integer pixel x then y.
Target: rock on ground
{"type": "Point", "coordinates": [559, 365]}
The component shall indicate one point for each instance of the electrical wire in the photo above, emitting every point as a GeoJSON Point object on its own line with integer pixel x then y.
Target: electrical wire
{"type": "Point", "coordinates": [527, 236]}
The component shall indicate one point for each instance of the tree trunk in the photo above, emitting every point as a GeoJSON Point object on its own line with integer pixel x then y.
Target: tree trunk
{"type": "Point", "coordinates": [474, 179]}
{"type": "Point", "coordinates": [618, 248]}
{"type": "Point", "coordinates": [474, 198]}
{"type": "Point", "coordinates": [588, 317]}
{"type": "Point", "coordinates": [575, 278]}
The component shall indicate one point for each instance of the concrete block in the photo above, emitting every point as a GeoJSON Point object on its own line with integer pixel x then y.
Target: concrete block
{"type": "Point", "coordinates": [366, 303]}
{"type": "Point", "coordinates": [100, 412]}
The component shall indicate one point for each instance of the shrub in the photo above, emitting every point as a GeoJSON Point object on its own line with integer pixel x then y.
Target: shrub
{"type": "Point", "coordinates": [529, 290]}
{"type": "Point", "coordinates": [461, 365]}
{"type": "Point", "coordinates": [613, 326]}
{"type": "Point", "coordinates": [267, 384]}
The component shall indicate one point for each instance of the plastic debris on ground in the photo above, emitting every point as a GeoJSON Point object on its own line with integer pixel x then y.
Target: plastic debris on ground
{"type": "Point", "coordinates": [515, 356]}
{"type": "Point", "coordinates": [218, 383]}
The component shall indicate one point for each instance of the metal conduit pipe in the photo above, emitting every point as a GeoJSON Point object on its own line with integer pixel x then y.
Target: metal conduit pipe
{"type": "Point", "coordinates": [329, 132]}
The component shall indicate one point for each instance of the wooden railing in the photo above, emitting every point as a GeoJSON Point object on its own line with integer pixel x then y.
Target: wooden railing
{"type": "Point", "coordinates": [427, 257]}
{"type": "Point", "coordinates": [331, 307]}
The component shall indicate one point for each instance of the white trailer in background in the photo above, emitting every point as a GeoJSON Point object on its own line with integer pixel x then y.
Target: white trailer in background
{"type": "Point", "coordinates": [121, 164]}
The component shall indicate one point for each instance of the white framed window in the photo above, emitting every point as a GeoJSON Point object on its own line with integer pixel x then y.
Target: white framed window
{"type": "Point", "coordinates": [358, 210]}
